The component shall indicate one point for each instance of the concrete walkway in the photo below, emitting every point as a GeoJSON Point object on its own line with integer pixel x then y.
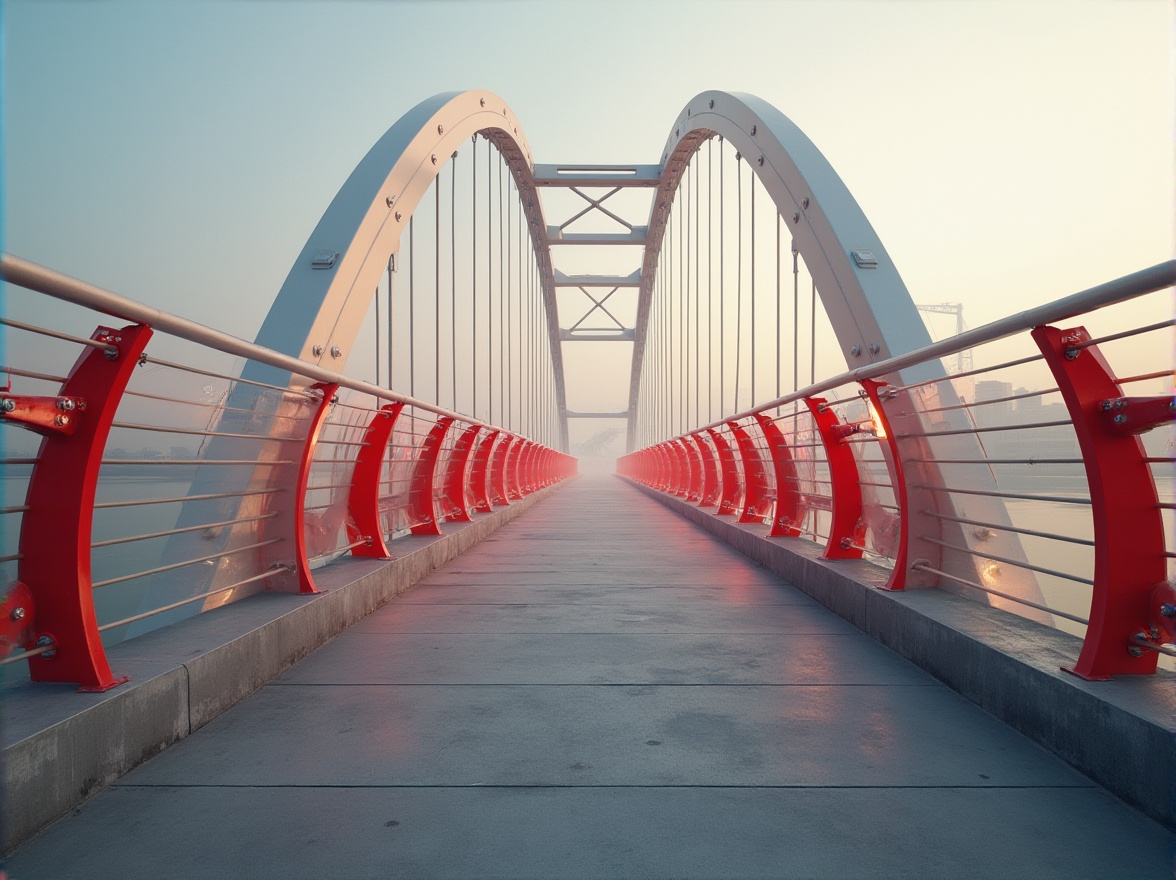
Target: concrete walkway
{"type": "Point", "coordinates": [602, 690]}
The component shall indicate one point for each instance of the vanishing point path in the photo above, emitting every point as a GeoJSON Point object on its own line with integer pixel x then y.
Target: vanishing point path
{"type": "Point", "coordinates": [602, 689]}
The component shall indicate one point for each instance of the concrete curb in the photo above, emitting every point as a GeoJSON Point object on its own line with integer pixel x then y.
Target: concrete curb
{"type": "Point", "coordinates": [61, 746]}
{"type": "Point", "coordinates": [1121, 733]}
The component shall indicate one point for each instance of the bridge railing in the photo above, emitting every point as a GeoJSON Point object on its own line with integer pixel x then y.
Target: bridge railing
{"type": "Point", "coordinates": [164, 483]}
{"type": "Point", "coordinates": [1034, 482]}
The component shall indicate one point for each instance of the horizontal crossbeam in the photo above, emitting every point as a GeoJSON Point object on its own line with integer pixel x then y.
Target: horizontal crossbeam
{"type": "Point", "coordinates": [597, 415]}
{"type": "Point", "coordinates": [625, 335]}
{"type": "Point", "coordinates": [597, 175]}
{"type": "Point", "coordinates": [631, 280]}
{"type": "Point", "coordinates": [555, 236]}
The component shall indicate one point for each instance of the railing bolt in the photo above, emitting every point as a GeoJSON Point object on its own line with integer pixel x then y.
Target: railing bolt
{"type": "Point", "coordinates": [804, 203]}
{"type": "Point", "coordinates": [317, 351]}
{"type": "Point", "coordinates": [856, 351]}
{"type": "Point", "coordinates": [796, 217]}
{"type": "Point", "coordinates": [65, 404]}
{"type": "Point", "coordinates": [397, 216]}
{"type": "Point", "coordinates": [1119, 419]}
{"type": "Point", "coordinates": [336, 351]}
{"type": "Point", "coordinates": [1168, 610]}
{"type": "Point", "coordinates": [874, 348]}
{"type": "Point", "coordinates": [47, 640]}
{"type": "Point", "coordinates": [18, 613]}
{"type": "Point", "coordinates": [7, 405]}
{"type": "Point", "coordinates": [61, 421]}
{"type": "Point", "coordinates": [1072, 351]}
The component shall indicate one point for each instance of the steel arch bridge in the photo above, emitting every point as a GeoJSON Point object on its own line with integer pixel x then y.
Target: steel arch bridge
{"type": "Point", "coordinates": [319, 309]}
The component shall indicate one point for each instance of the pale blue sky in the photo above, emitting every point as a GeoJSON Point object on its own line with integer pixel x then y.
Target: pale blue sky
{"type": "Point", "coordinates": [180, 153]}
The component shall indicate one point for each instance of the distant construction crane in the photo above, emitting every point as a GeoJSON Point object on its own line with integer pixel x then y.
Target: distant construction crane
{"type": "Point", "coordinates": [964, 358]}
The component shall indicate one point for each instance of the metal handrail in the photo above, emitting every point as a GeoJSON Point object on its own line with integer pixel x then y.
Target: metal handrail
{"type": "Point", "coordinates": [59, 286]}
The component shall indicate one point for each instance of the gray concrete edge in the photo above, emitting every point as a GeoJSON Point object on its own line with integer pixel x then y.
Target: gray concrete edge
{"type": "Point", "coordinates": [61, 746]}
{"type": "Point", "coordinates": [1120, 733]}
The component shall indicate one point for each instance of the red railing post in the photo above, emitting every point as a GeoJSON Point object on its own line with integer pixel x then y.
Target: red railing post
{"type": "Point", "coordinates": [681, 468]}
{"type": "Point", "coordinates": [421, 505]}
{"type": "Point", "coordinates": [711, 487]}
{"type": "Point", "coordinates": [1129, 563]}
{"type": "Point", "coordinates": [875, 391]}
{"type": "Point", "coordinates": [694, 490]}
{"type": "Point", "coordinates": [789, 512]}
{"type": "Point", "coordinates": [363, 500]}
{"type": "Point", "coordinates": [729, 482]}
{"type": "Point", "coordinates": [303, 524]}
{"type": "Point", "coordinates": [480, 473]}
{"type": "Point", "coordinates": [56, 528]}
{"type": "Point", "coordinates": [755, 496]}
{"type": "Point", "coordinates": [498, 470]}
{"type": "Point", "coordinates": [514, 491]}
{"type": "Point", "coordinates": [456, 475]}
{"type": "Point", "coordinates": [846, 529]}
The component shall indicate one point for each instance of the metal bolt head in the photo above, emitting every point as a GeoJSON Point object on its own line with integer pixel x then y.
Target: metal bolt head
{"type": "Point", "coordinates": [856, 351]}
{"type": "Point", "coordinates": [874, 348]}
{"type": "Point", "coordinates": [397, 216]}
{"type": "Point", "coordinates": [440, 129]}
{"type": "Point", "coordinates": [760, 161]}
{"type": "Point", "coordinates": [318, 351]}
{"type": "Point", "coordinates": [65, 404]}
{"type": "Point", "coordinates": [1072, 352]}
{"type": "Point", "coordinates": [390, 201]}
{"type": "Point", "coordinates": [18, 614]}
{"type": "Point", "coordinates": [433, 158]}
{"type": "Point", "coordinates": [796, 218]}
{"type": "Point", "coordinates": [61, 421]}
{"type": "Point", "coordinates": [336, 351]}
{"type": "Point", "coordinates": [7, 404]}
{"type": "Point", "coordinates": [804, 203]}
{"type": "Point", "coordinates": [481, 102]}
{"type": "Point", "coordinates": [44, 641]}
{"type": "Point", "coordinates": [1135, 650]}
{"type": "Point", "coordinates": [753, 130]}
{"type": "Point", "coordinates": [1119, 419]}
{"type": "Point", "coordinates": [711, 105]}
{"type": "Point", "coordinates": [1105, 405]}
{"type": "Point", "coordinates": [1168, 610]}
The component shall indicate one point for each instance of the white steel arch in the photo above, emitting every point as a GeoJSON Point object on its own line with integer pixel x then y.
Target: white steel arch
{"type": "Point", "coordinates": [872, 314]}
{"type": "Point", "coordinates": [318, 311]}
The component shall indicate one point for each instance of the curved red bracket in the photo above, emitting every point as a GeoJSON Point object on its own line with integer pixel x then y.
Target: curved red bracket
{"type": "Point", "coordinates": [729, 483]}
{"type": "Point", "coordinates": [694, 490]}
{"type": "Point", "coordinates": [846, 530]}
{"type": "Point", "coordinates": [681, 466]}
{"type": "Point", "coordinates": [456, 475]}
{"type": "Point", "coordinates": [790, 509]}
{"type": "Point", "coordinates": [1128, 525]}
{"type": "Point", "coordinates": [755, 499]}
{"type": "Point", "coordinates": [480, 473]}
{"type": "Point", "coordinates": [514, 490]}
{"type": "Point", "coordinates": [363, 500]}
{"type": "Point", "coordinates": [421, 505]}
{"type": "Point", "coordinates": [711, 487]}
{"type": "Point", "coordinates": [55, 531]}
{"type": "Point", "coordinates": [301, 522]}
{"type": "Point", "coordinates": [498, 470]}
{"type": "Point", "coordinates": [894, 468]}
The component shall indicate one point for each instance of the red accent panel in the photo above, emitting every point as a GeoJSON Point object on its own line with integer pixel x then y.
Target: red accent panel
{"type": "Point", "coordinates": [480, 473]}
{"type": "Point", "coordinates": [421, 507]}
{"type": "Point", "coordinates": [1128, 529]}
{"type": "Point", "coordinates": [893, 459]}
{"type": "Point", "coordinates": [789, 512]}
{"type": "Point", "coordinates": [680, 468]}
{"type": "Point", "coordinates": [43, 415]}
{"type": "Point", "coordinates": [457, 472]}
{"type": "Point", "coordinates": [363, 500]}
{"type": "Point", "coordinates": [730, 474]}
{"type": "Point", "coordinates": [60, 498]}
{"type": "Point", "coordinates": [846, 528]}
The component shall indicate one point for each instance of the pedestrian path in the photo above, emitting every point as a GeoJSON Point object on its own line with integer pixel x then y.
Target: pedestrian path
{"type": "Point", "coordinates": [602, 689]}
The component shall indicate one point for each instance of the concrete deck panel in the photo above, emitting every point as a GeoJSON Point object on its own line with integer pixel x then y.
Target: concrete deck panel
{"type": "Point", "coordinates": [711, 721]}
